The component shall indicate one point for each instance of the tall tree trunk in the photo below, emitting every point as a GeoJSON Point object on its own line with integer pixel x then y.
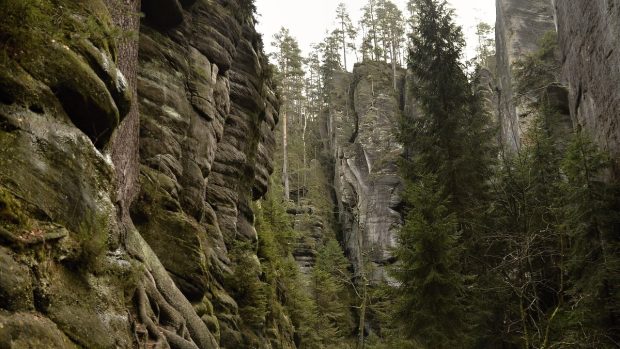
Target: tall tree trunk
{"type": "Point", "coordinates": [344, 45]}
{"type": "Point", "coordinates": [375, 48]}
{"type": "Point", "coordinates": [303, 139]}
{"type": "Point", "coordinates": [285, 154]}
{"type": "Point", "coordinates": [360, 344]}
{"type": "Point", "coordinates": [394, 62]}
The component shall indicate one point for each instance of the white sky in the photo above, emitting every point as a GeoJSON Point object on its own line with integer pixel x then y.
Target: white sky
{"type": "Point", "coordinates": [308, 20]}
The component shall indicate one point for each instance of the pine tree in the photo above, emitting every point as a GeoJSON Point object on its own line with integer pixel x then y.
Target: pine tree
{"type": "Point", "coordinates": [329, 50]}
{"type": "Point", "coordinates": [369, 25]}
{"type": "Point", "coordinates": [391, 25]}
{"type": "Point", "coordinates": [289, 77]}
{"type": "Point", "coordinates": [485, 51]}
{"type": "Point", "coordinates": [346, 30]}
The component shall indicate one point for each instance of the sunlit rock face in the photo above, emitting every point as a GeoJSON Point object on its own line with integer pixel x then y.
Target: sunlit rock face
{"type": "Point", "coordinates": [520, 24]}
{"type": "Point", "coordinates": [589, 38]}
{"type": "Point", "coordinates": [362, 124]}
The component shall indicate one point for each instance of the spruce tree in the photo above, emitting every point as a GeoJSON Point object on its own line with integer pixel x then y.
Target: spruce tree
{"type": "Point", "coordinates": [430, 289]}
{"type": "Point", "coordinates": [592, 220]}
{"type": "Point", "coordinates": [451, 134]}
{"type": "Point", "coordinates": [447, 166]}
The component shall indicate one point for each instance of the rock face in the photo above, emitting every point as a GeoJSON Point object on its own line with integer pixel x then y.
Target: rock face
{"type": "Point", "coordinates": [361, 126]}
{"type": "Point", "coordinates": [127, 171]}
{"type": "Point", "coordinates": [589, 37]}
{"type": "Point", "coordinates": [206, 141]}
{"type": "Point", "coordinates": [520, 24]}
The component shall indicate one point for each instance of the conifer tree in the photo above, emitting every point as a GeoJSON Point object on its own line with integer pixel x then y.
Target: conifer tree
{"type": "Point", "coordinates": [330, 281]}
{"type": "Point", "coordinates": [346, 30]}
{"type": "Point", "coordinates": [451, 135]}
{"type": "Point", "coordinates": [430, 283]}
{"type": "Point", "coordinates": [485, 51]}
{"type": "Point", "coordinates": [592, 219]}
{"type": "Point", "coordinates": [448, 164]}
{"type": "Point", "coordinates": [369, 23]}
{"type": "Point", "coordinates": [329, 50]}
{"type": "Point", "coordinates": [289, 76]}
{"type": "Point", "coordinates": [391, 25]}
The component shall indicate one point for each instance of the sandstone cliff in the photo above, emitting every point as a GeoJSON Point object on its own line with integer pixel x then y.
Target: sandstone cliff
{"type": "Point", "coordinates": [361, 127]}
{"type": "Point", "coordinates": [587, 33]}
{"type": "Point", "coordinates": [589, 37]}
{"type": "Point", "coordinates": [78, 267]}
{"type": "Point", "coordinates": [520, 24]}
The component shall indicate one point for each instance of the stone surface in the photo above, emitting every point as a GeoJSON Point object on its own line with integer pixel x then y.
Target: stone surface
{"type": "Point", "coordinates": [520, 24]}
{"type": "Point", "coordinates": [31, 330]}
{"type": "Point", "coordinates": [78, 268]}
{"type": "Point", "coordinates": [206, 140]}
{"type": "Point", "coordinates": [15, 283]}
{"type": "Point", "coordinates": [59, 188]}
{"type": "Point", "coordinates": [362, 123]}
{"type": "Point", "coordinates": [589, 38]}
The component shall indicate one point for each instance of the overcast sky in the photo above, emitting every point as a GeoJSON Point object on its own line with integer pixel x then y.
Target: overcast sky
{"type": "Point", "coordinates": [308, 20]}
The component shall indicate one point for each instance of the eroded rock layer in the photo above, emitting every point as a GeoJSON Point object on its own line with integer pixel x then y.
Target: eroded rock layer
{"type": "Point", "coordinates": [362, 124]}
{"type": "Point", "coordinates": [127, 171]}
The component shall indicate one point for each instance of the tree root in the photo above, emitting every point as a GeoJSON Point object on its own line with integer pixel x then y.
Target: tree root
{"type": "Point", "coordinates": [162, 311]}
{"type": "Point", "coordinates": [164, 324]}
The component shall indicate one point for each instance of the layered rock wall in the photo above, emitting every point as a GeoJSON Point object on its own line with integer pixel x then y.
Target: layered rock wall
{"type": "Point", "coordinates": [362, 122]}
{"type": "Point", "coordinates": [78, 267]}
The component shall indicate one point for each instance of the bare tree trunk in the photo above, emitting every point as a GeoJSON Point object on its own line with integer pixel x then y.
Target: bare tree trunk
{"type": "Point", "coordinates": [394, 62]}
{"type": "Point", "coordinates": [285, 154]}
{"type": "Point", "coordinates": [344, 45]}
{"type": "Point", "coordinates": [374, 32]}
{"type": "Point", "coordinates": [361, 341]}
{"type": "Point", "coordinates": [303, 139]}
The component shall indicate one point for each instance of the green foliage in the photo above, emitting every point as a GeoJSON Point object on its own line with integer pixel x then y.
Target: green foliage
{"type": "Point", "coordinates": [451, 137]}
{"type": "Point", "coordinates": [330, 282]}
{"type": "Point", "coordinates": [448, 160]}
{"type": "Point", "coordinates": [430, 287]}
{"type": "Point", "coordinates": [289, 73]}
{"type": "Point", "coordinates": [25, 25]}
{"type": "Point", "coordinates": [247, 7]}
{"type": "Point", "coordinates": [485, 52]}
{"type": "Point", "coordinates": [525, 247]}
{"type": "Point", "coordinates": [534, 72]}
{"type": "Point", "coordinates": [383, 29]}
{"type": "Point", "coordinates": [554, 242]}
{"type": "Point", "coordinates": [11, 212]}
{"type": "Point", "coordinates": [29, 27]}
{"type": "Point", "coordinates": [592, 223]}
{"type": "Point", "coordinates": [346, 31]}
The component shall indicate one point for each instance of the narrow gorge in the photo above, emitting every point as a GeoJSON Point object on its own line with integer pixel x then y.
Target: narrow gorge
{"type": "Point", "coordinates": [171, 179]}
